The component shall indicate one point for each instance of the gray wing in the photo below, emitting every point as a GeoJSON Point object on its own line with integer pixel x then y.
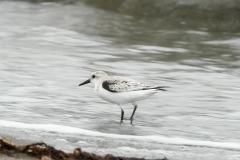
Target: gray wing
{"type": "Point", "coordinates": [122, 84]}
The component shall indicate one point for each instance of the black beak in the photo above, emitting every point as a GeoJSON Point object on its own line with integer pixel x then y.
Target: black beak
{"type": "Point", "coordinates": [86, 82]}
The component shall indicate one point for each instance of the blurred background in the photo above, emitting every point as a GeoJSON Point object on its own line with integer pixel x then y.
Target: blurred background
{"type": "Point", "coordinates": [48, 47]}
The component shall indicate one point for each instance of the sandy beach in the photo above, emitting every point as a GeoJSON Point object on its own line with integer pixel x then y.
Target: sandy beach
{"type": "Point", "coordinates": [15, 150]}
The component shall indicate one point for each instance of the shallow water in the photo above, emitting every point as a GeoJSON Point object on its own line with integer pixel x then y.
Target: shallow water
{"type": "Point", "coordinates": [44, 57]}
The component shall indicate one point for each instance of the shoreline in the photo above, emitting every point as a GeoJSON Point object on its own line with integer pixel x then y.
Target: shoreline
{"type": "Point", "coordinates": [158, 151]}
{"type": "Point", "coordinates": [34, 151]}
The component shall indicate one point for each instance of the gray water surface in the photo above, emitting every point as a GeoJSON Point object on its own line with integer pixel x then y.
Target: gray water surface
{"type": "Point", "coordinates": [47, 49]}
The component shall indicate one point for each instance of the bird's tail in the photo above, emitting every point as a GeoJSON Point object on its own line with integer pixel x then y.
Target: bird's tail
{"type": "Point", "coordinates": [157, 88]}
{"type": "Point", "coordinates": [161, 88]}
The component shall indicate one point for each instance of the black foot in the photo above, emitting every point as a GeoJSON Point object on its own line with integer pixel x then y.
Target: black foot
{"type": "Point", "coordinates": [131, 119]}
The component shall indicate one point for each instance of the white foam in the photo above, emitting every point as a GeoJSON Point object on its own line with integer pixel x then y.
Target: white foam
{"type": "Point", "coordinates": [197, 32]}
{"type": "Point", "coordinates": [231, 42]}
{"type": "Point", "coordinates": [155, 138]}
{"type": "Point", "coordinates": [65, 37]}
{"type": "Point", "coordinates": [155, 49]}
{"type": "Point", "coordinates": [17, 99]}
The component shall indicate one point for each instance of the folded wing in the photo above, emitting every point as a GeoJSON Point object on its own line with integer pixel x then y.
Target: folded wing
{"type": "Point", "coordinates": [124, 84]}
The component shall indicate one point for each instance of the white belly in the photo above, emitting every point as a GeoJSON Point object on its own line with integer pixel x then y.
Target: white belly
{"type": "Point", "coordinates": [124, 97]}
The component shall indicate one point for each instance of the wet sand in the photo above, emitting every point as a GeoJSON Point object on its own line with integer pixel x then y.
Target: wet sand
{"type": "Point", "coordinates": [15, 156]}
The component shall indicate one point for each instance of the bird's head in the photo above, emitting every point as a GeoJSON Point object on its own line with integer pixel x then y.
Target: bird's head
{"type": "Point", "coordinates": [95, 77]}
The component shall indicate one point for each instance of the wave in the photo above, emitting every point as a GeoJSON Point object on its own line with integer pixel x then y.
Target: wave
{"type": "Point", "coordinates": [164, 14]}
{"type": "Point", "coordinates": [154, 138]}
{"type": "Point", "coordinates": [164, 7]}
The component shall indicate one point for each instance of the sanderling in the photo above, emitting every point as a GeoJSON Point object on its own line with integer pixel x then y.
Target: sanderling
{"type": "Point", "coordinates": [121, 90]}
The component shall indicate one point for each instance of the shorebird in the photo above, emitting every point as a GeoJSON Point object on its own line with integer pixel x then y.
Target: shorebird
{"type": "Point", "coordinates": [121, 90]}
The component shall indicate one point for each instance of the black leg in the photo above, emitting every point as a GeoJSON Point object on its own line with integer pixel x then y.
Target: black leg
{"type": "Point", "coordinates": [135, 108]}
{"type": "Point", "coordinates": [122, 114]}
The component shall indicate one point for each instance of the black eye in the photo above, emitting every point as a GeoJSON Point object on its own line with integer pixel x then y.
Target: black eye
{"type": "Point", "coordinates": [93, 76]}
